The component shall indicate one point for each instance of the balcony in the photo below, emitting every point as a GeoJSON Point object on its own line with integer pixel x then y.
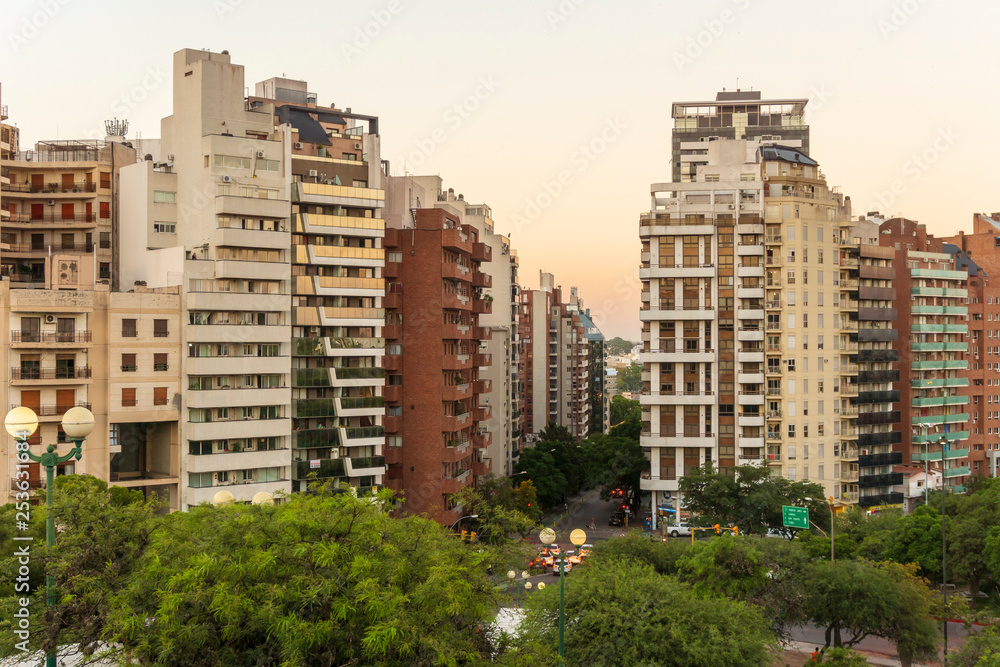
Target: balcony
{"type": "Point", "coordinates": [961, 471]}
{"type": "Point", "coordinates": [455, 392]}
{"type": "Point", "coordinates": [481, 252]}
{"type": "Point", "coordinates": [393, 393]}
{"type": "Point", "coordinates": [455, 271]}
{"type": "Point", "coordinates": [884, 479]}
{"type": "Point", "coordinates": [880, 499]}
{"type": "Point", "coordinates": [482, 306]}
{"type": "Point", "coordinates": [28, 336]}
{"type": "Point", "coordinates": [936, 456]}
{"type": "Point", "coordinates": [480, 279]}
{"type": "Point", "coordinates": [320, 468]}
{"type": "Point", "coordinates": [885, 459]}
{"type": "Point", "coordinates": [316, 438]}
{"type": "Point", "coordinates": [455, 423]}
{"type": "Point", "coordinates": [482, 413]}
{"type": "Point", "coordinates": [24, 374]}
{"type": "Point", "coordinates": [21, 248]}
{"type": "Point", "coordinates": [53, 410]}
{"type": "Point", "coordinates": [482, 386]}
{"type": "Point", "coordinates": [482, 439]}
{"type": "Point", "coordinates": [76, 187]}
{"type": "Point", "coordinates": [451, 485]}
{"type": "Point", "coordinates": [481, 359]}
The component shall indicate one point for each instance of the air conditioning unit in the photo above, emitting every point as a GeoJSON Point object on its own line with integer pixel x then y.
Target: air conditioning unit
{"type": "Point", "coordinates": [170, 158]}
{"type": "Point", "coordinates": [732, 206]}
{"type": "Point", "coordinates": [50, 319]}
{"type": "Point", "coordinates": [313, 173]}
{"type": "Point", "coordinates": [51, 202]}
{"type": "Point", "coordinates": [357, 146]}
{"type": "Point", "coordinates": [260, 154]}
{"type": "Point", "coordinates": [298, 145]}
{"type": "Point", "coordinates": [227, 179]}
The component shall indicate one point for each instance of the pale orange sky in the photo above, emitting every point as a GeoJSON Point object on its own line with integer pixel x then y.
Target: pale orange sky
{"type": "Point", "coordinates": [902, 95]}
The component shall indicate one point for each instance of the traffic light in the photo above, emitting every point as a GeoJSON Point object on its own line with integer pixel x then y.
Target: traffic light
{"type": "Point", "coordinates": [736, 530]}
{"type": "Point", "coordinates": [716, 526]}
{"type": "Point", "coordinates": [464, 534]}
{"type": "Point", "coordinates": [472, 536]}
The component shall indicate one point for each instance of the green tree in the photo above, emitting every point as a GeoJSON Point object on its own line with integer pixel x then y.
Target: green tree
{"type": "Point", "coordinates": [616, 463]}
{"type": "Point", "coordinates": [540, 467]}
{"type": "Point", "coordinates": [748, 497]}
{"type": "Point", "coordinates": [859, 598]}
{"type": "Point", "coordinates": [840, 657]}
{"type": "Point", "coordinates": [969, 527]}
{"type": "Point", "coordinates": [917, 539]}
{"type": "Point", "coordinates": [102, 533]}
{"type": "Point", "coordinates": [618, 346]}
{"type": "Point", "coordinates": [818, 547]}
{"type": "Point", "coordinates": [622, 409]}
{"type": "Point", "coordinates": [320, 579]}
{"type": "Point", "coordinates": [501, 510]}
{"type": "Point", "coordinates": [981, 649]}
{"type": "Point", "coordinates": [873, 533]}
{"type": "Point", "coordinates": [630, 378]}
{"type": "Point", "coordinates": [626, 613]}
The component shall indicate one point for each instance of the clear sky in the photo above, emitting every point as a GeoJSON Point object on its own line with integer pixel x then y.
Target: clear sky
{"type": "Point", "coordinates": [557, 112]}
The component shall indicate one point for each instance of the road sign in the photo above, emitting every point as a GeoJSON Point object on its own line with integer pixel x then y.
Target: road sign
{"type": "Point", "coordinates": [795, 517]}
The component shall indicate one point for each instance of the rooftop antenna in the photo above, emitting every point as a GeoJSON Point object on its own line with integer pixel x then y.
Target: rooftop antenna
{"type": "Point", "coordinates": [116, 128]}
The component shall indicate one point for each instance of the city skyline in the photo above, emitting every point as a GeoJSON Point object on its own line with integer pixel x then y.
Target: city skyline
{"type": "Point", "coordinates": [506, 131]}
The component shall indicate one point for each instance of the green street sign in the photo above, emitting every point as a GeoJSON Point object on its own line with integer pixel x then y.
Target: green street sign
{"type": "Point", "coordinates": [795, 517]}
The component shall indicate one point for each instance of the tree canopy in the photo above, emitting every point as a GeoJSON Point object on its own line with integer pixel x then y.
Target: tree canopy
{"type": "Point", "coordinates": [618, 346]}
{"type": "Point", "coordinates": [630, 378]}
{"type": "Point", "coordinates": [628, 614]}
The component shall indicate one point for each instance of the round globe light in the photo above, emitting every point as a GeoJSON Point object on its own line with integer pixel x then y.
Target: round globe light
{"type": "Point", "coordinates": [527, 585]}
{"type": "Point", "coordinates": [261, 498]}
{"type": "Point", "coordinates": [77, 423]}
{"type": "Point", "coordinates": [511, 574]}
{"type": "Point", "coordinates": [547, 536]}
{"type": "Point", "coordinates": [578, 537]}
{"type": "Point", "coordinates": [524, 574]}
{"type": "Point", "coordinates": [223, 498]}
{"type": "Point", "coordinates": [541, 585]}
{"type": "Point", "coordinates": [21, 422]}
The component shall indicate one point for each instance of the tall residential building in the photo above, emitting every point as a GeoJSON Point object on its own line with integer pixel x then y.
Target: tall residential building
{"type": "Point", "coordinates": [337, 287]}
{"type": "Point", "coordinates": [868, 371]}
{"type": "Point", "coordinates": [741, 318]}
{"type": "Point", "coordinates": [213, 218]}
{"type": "Point", "coordinates": [498, 282]}
{"type": "Point", "coordinates": [739, 114]}
{"type": "Point", "coordinates": [932, 310]}
{"type": "Point", "coordinates": [62, 210]}
{"type": "Point", "coordinates": [435, 416]}
{"type": "Point", "coordinates": [976, 253]}
{"type": "Point", "coordinates": [556, 357]}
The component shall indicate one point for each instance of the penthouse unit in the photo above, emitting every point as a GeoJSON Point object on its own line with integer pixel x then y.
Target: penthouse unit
{"type": "Point", "coordinates": [61, 206]}
{"type": "Point", "coordinates": [739, 114]}
{"type": "Point", "coordinates": [868, 371]}
{"type": "Point", "coordinates": [435, 417]}
{"type": "Point", "coordinates": [214, 218]}
{"type": "Point", "coordinates": [337, 288]}
{"type": "Point", "coordinates": [932, 306]}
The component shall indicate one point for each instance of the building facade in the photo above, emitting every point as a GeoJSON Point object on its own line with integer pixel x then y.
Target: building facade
{"type": "Point", "coordinates": [435, 416]}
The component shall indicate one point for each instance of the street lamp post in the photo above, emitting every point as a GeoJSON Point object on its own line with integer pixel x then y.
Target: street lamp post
{"type": "Point", "coordinates": [512, 575]}
{"type": "Point", "coordinates": [578, 538]}
{"type": "Point", "coordinates": [943, 441]}
{"type": "Point", "coordinates": [77, 424]}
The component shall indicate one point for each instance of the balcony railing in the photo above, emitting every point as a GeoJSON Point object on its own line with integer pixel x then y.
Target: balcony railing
{"type": "Point", "coordinates": [29, 336]}
{"type": "Point", "coordinates": [53, 219]}
{"type": "Point", "coordinates": [77, 373]}
{"type": "Point", "coordinates": [51, 247]}
{"type": "Point", "coordinates": [76, 186]}
{"type": "Point", "coordinates": [53, 410]}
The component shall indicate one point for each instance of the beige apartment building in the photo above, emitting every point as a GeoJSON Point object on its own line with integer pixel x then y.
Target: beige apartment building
{"type": "Point", "coordinates": [213, 218]}
{"type": "Point", "coordinates": [114, 353]}
{"type": "Point", "coordinates": [741, 318]}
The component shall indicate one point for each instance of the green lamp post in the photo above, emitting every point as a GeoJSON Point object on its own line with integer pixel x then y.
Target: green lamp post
{"type": "Point", "coordinates": [577, 537]}
{"type": "Point", "coordinates": [77, 423]}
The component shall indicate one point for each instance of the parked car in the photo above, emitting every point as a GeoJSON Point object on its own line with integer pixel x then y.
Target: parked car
{"type": "Point", "coordinates": [679, 530]}
{"type": "Point", "coordinates": [617, 519]}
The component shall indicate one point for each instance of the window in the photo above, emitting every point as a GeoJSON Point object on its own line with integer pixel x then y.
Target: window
{"type": "Point", "coordinates": [199, 480]}
{"type": "Point", "coordinates": [165, 227]}
{"type": "Point", "coordinates": [128, 397]}
{"type": "Point", "coordinates": [105, 209]}
{"type": "Point", "coordinates": [105, 271]}
{"type": "Point", "coordinates": [128, 363]}
{"type": "Point", "coordinates": [129, 329]}
{"type": "Point", "coordinates": [105, 239]}
{"type": "Point", "coordinates": [164, 197]}
{"type": "Point", "coordinates": [160, 361]}
{"type": "Point", "coordinates": [159, 395]}
{"type": "Point", "coordinates": [791, 365]}
{"type": "Point", "coordinates": [160, 329]}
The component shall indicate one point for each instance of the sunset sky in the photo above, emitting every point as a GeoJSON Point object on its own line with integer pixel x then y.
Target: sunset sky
{"type": "Point", "coordinates": [557, 113]}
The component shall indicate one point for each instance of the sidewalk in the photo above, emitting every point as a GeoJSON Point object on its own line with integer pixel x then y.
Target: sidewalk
{"type": "Point", "coordinates": [807, 649]}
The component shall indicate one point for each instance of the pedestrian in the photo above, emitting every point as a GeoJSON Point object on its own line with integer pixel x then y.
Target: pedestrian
{"type": "Point", "coordinates": [816, 654]}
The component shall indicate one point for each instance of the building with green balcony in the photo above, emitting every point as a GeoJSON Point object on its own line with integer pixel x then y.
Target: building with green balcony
{"type": "Point", "coordinates": [932, 308]}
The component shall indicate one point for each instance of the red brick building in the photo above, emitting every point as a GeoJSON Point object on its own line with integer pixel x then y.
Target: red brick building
{"type": "Point", "coordinates": [435, 444]}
